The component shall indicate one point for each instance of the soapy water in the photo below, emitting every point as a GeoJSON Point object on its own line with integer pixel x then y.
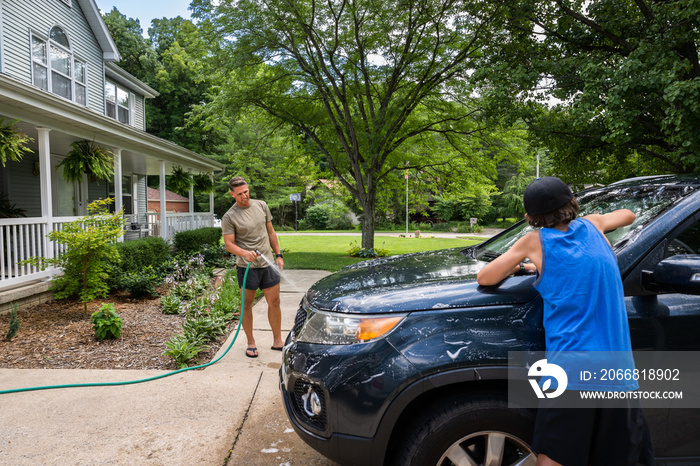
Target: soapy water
{"type": "Point", "coordinates": [279, 272]}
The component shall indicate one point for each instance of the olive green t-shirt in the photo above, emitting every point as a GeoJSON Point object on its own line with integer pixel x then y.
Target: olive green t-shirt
{"type": "Point", "coordinates": [249, 225]}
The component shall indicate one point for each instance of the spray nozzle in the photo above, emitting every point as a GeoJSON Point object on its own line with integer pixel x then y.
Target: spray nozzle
{"type": "Point", "coordinates": [258, 252]}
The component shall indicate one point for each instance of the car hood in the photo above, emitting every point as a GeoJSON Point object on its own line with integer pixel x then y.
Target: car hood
{"type": "Point", "coordinates": [415, 282]}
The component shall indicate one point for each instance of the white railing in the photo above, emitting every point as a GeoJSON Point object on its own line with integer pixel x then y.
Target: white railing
{"type": "Point", "coordinates": [23, 238]}
{"type": "Point", "coordinates": [180, 222]}
{"type": "Point", "coordinates": [20, 239]}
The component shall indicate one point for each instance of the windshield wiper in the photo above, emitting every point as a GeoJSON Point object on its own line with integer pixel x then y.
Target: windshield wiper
{"type": "Point", "coordinates": [489, 255]}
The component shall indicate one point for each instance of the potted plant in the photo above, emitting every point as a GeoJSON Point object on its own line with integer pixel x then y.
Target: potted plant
{"type": "Point", "coordinates": [87, 157]}
{"type": "Point", "coordinates": [179, 180]}
{"type": "Point", "coordinates": [13, 142]}
{"type": "Point", "coordinates": [203, 184]}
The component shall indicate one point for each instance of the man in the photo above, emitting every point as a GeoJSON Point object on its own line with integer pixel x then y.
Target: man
{"type": "Point", "coordinates": [249, 234]}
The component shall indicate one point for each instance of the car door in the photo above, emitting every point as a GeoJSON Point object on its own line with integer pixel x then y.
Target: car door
{"type": "Point", "coordinates": [661, 321]}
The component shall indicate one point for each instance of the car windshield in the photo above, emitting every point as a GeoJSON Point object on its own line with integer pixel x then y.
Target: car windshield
{"type": "Point", "coordinates": [645, 201]}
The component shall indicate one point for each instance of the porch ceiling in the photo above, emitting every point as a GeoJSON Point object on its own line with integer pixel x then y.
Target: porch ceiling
{"type": "Point", "coordinates": [69, 122]}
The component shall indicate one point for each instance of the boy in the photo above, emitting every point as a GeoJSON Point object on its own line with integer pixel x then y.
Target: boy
{"type": "Point", "coordinates": [584, 310]}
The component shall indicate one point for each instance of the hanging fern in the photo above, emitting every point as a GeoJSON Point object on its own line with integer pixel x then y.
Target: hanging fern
{"type": "Point", "coordinates": [179, 181]}
{"type": "Point", "coordinates": [87, 157]}
{"type": "Point", "coordinates": [13, 142]}
{"type": "Point", "coordinates": [203, 184]}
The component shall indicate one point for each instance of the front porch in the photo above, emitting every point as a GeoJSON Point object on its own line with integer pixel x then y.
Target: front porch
{"type": "Point", "coordinates": [39, 199]}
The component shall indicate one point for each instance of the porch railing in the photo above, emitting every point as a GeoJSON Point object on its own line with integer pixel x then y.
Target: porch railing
{"type": "Point", "coordinates": [180, 221]}
{"type": "Point", "coordinates": [22, 238]}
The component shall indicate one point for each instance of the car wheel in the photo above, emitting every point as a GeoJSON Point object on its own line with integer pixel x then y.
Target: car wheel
{"type": "Point", "coordinates": [474, 429]}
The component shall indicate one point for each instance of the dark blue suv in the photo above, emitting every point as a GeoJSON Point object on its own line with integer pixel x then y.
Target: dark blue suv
{"type": "Point", "coordinates": [403, 360]}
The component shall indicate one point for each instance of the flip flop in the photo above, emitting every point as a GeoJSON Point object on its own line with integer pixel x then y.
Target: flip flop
{"type": "Point", "coordinates": [251, 352]}
{"type": "Point", "coordinates": [276, 348]}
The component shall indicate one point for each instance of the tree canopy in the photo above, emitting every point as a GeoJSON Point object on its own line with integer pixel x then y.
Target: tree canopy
{"type": "Point", "coordinates": [360, 79]}
{"type": "Point", "coordinates": [624, 75]}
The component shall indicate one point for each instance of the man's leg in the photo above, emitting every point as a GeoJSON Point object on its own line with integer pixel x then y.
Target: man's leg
{"type": "Point", "coordinates": [274, 314]}
{"type": "Point", "coordinates": [248, 317]}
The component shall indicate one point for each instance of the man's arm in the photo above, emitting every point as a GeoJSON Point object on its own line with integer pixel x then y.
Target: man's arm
{"type": "Point", "coordinates": [236, 250]}
{"type": "Point", "coordinates": [274, 244]}
{"type": "Point", "coordinates": [509, 262]}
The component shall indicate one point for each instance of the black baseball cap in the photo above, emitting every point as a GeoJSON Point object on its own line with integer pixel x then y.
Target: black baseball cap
{"type": "Point", "coordinates": [545, 195]}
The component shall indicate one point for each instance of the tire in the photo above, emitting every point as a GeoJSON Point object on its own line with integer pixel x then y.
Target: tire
{"type": "Point", "coordinates": [471, 429]}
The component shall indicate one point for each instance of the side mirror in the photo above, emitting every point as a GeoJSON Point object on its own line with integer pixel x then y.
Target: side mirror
{"type": "Point", "coordinates": [676, 274]}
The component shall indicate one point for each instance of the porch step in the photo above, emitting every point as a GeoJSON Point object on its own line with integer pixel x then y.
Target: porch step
{"type": "Point", "coordinates": [25, 295]}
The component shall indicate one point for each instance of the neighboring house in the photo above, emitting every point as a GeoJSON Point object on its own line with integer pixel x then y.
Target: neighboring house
{"type": "Point", "coordinates": [173, 201]}
{"type": "Point", "coordinates": [58, 77]}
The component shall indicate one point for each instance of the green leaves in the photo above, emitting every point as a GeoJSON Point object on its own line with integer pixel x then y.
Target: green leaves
{"type": "Point", "coordinates": [86, 253]}
{"type": "Point", "coordinates": [87, 157]}
{"type": "Point", "coordinates": [13, 142]}
{"type": "Point", "coordinates": [106, 322]}
{"type": "Point", "coordinates": [627, 77]}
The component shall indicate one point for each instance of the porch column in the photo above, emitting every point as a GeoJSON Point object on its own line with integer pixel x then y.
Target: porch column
{"type": "Point", "coordinates": [163, 222]}
{"type": "Point", "coordinates": [211, 202]}
{"type": "Point", "coordinates": [118, 195]}
{"type": "Point", "coordinates": [191, 199]}
{"type": "Point", "coordinates": [45, 171]}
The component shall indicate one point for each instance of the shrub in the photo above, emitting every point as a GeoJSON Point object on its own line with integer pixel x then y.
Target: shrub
{"type": "Point", "coordinates": [229, 296]}
{"type": "Point", "coordinates": [216, 256]}
{"type": "Point", "coordinates": [106, 322]}
{"type": "Point", "coordinates": [356, 251]}
{"type": "Point", "coordinates": [170, 304]}
{"type": "Point", "coordinates": [143, 283]}
{"type": "Point", "coordinates": [204, 328]}
{"type": "Point", "coordinates": [87, 253]}
{"type": "Point", "coordinates": [140, 253]}
{"type": "Point", "coordinates": [183, 350]}
{"type": "Point", "coordinates": [14, 324]}
{"type": "Point", "coordinates": [318, 216]}
{"type": "Point", "coordinates": [193, 240]}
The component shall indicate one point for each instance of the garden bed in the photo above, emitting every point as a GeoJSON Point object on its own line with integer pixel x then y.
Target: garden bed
{"type": "Point", "coordinates": [59, 335]}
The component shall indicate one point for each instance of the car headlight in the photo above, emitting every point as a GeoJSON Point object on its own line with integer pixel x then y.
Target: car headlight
{"type": "Point", "coordinates": [330, 328]}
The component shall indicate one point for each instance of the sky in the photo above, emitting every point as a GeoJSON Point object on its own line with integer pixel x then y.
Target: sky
{"type": "Point", "coordinates": [146, 10]}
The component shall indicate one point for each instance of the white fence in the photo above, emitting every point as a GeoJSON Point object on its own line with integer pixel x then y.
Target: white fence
{"type": "Point", "coordinates": [23, 238]}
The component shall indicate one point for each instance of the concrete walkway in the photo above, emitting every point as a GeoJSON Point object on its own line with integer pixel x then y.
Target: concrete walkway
{"type": "Point", "coordinates": [229, 413]}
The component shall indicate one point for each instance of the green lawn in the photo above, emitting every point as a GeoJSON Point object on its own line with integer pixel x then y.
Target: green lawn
{"type": "Point", "coordinates": [331, 252]}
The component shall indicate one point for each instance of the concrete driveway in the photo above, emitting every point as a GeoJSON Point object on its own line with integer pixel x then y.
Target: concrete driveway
{"type": "Point", "coordinates": [229, 413]}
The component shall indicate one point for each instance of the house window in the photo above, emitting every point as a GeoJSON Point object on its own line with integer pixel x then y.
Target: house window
{"type": "Point", "coordinates": [117, 102]}
{"type": "Point", "coordinates": [55, 69]}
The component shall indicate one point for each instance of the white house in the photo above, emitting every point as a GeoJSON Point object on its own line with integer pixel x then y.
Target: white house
{"type": "Point", "coordinates": [58, 77]}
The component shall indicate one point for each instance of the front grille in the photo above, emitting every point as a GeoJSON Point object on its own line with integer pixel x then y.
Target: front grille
{"type": "Point", "coordinates": [299, 321]}
{"type": "Point", "coordinates": [302, 404]}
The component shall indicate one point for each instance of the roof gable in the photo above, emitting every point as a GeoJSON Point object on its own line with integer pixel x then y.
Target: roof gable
{"type": "Point", "coordinates": [99, 28]}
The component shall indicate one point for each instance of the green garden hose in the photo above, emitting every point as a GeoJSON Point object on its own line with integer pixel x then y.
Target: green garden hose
{"type": "Point", "coordinates": [132, 382]}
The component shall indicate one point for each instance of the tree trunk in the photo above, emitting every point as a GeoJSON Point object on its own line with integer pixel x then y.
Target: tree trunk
{"type": "Point", "coordinates": [368, 208]}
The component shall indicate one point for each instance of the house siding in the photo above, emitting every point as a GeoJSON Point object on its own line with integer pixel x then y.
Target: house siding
{"type": "Point", "coordinates": [139, 120]}
{"type": "Point", "coordinates": [20, 18]}
{"type": "Point", "coordinates": [25, 186]}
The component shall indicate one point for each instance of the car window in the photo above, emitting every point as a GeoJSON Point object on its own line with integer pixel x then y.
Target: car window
{"type": "Point", "coordinates": [688, 242]}
{"type": "Point", "coordinates": [645, 201]}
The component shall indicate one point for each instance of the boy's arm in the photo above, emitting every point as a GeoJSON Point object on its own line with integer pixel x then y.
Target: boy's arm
{"type": "Point", "coordinates": [610, 221]}
{"type": "Point", "coordinates": [508, 263]}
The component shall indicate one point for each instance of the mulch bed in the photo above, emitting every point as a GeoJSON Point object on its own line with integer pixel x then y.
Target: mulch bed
{"type": "Point", "coordinates": [59, 335]}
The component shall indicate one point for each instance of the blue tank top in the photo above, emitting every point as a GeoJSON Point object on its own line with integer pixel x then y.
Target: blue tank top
{"type": "Point", "coordinates": [584, 307]}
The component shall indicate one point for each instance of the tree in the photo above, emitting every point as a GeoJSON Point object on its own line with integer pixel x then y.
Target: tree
{"type": "Point", "coordinates": [86, 254]}
{"type": "Point", "coordinates": [624, 76]}
{"type": "Point", "coordinates": [137, 56]}
{"type": "Point", "coordinates": [358, 78]}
